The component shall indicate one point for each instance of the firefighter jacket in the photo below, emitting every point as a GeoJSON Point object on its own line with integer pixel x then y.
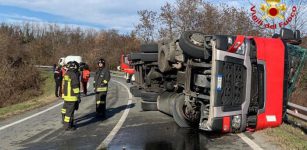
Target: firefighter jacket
{"type": "Point", "coordinates": [101, 80]}
{"type": "Point", "coordinates": [71, 86]}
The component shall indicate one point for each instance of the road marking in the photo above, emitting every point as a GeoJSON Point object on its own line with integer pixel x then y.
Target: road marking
{"type": "Point", "coordinates": [27, 118]}
{"type": "Point", "coordinates": [251, 143]}
{"type": "Point", "coordinates": [39, 113]}
{"type": "Point", "coordinates": [34, 115]}
{"type": "Point", "coordinates": [119, 124]}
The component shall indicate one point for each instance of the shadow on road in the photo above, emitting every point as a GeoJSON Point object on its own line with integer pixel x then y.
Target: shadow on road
{"type": "Point", "coordinates": [93, 118]}
{"type": "Point", "coordinates": [89, 94]}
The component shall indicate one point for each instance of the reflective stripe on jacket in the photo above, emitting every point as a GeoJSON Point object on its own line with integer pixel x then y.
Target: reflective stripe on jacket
{"type": "Point", "coordinates": [71, 87]}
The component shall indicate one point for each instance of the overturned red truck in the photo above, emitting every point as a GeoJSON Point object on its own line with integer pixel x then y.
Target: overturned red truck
{"type": "Point", "coordinates": [126, 68]}
{"type": "Point", "coordinates": [219, 83]}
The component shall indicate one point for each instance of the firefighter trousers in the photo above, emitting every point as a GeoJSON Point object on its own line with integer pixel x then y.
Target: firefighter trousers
{"type": "Point", "coordinates": [68, 111]}
{"type": "Point", "coordinates": [101, 103]}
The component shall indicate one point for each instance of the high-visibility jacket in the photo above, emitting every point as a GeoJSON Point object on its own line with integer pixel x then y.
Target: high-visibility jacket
{"type": "Point", "coordinates": [85, 75]}
{"type": "Point", "coordinates": [101, 80]}
{"type": "Point", "coordinates": [71, 86]}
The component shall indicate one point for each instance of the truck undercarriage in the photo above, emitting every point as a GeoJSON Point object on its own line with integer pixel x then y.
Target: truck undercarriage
{"type": "Point", "coordinates": [216, 82]}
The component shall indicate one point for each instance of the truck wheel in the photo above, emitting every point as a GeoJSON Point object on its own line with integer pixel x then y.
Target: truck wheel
{"type": "Point", "coordinates": [134, 56]}
{"type": "Point", "coordinates": [149, 96]}
{"type": "Point", "coordinates": [178, 113]}
{"type": "Point", "coordinates": [135, 91]}
{"type": "Point", "coordinates": [149, 57]}
{"type": "Point", "coordinates": [149, 48]}
{"type": "Point", "coordinates": [163, 63]}
{"type": "Point", "coordinates": [192, 44]}
{"type": "Point", "coordinates": [149, 106]}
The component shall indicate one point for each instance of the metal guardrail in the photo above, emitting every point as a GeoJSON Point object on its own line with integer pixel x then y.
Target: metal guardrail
{"type": "Point", "coordinates": [117, 72]}
{"type": "Point", "coordinates": [298, 111]}
{"type": "Point", "coordinates": [41, 66]}
{"type": "Point", "coordinates": [113, 72]}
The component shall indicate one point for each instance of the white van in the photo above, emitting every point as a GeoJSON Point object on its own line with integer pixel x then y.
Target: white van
{"type": "Point", "coordinates": [65, 60]}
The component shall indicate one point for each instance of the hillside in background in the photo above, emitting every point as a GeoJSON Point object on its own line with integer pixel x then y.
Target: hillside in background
{"type": "Point", "coordinates": [22, 46]}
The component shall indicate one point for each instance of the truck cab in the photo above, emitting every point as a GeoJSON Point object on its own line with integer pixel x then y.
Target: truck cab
{"type": "Point", "coordinates": [223, 83]}
{"type": "Point", "coordinates": [126, 68]}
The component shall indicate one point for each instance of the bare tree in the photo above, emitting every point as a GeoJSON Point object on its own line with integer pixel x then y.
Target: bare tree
{"type": "Point", "coordinates": [146, 28]}
{"type": "Point", "coordinates": [300, 19]}
{"type": "Point", "coordinates": [187, 14]}
{"type": "Point", "coordinates": [167, 18]}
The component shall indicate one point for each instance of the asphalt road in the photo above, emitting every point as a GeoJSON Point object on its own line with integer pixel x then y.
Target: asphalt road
{"type": "Point", "coordinates": [125, 127]}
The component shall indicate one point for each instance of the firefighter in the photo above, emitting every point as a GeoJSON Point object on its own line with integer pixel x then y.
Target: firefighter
{"type": "Point", "coordinates": [71, 95]}
{"type": "Point", "coordinates": [101, 80]}
{"type": "Point", "coordinates": [58, 81]}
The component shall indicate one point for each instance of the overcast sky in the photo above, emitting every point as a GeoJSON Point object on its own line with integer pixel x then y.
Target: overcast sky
{"type": "Point", "coordinates": [99, 14]}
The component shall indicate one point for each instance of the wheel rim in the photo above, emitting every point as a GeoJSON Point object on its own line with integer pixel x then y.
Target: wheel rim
{"type": "Point", "coordinates": [197, 39]}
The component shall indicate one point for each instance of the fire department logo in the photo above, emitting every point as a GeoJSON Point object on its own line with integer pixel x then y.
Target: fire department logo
{"type": "Point", "coordinates": [272, 9]}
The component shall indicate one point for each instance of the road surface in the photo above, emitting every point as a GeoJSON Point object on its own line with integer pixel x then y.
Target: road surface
{"type": "Point", "coordinates": [125, 127]}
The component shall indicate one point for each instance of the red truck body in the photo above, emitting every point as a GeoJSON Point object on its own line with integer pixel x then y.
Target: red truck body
{"type": "Point", "coordinates": [272, 52]}
{"type": "Point", "coordinates": [124, 65]}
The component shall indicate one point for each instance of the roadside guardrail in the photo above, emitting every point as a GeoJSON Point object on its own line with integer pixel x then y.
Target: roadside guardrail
{"type": "Point", "coordinates": [297, 111]}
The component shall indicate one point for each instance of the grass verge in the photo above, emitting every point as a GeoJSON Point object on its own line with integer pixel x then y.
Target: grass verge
{"type": "Point", "coordinates": [287, 136]}
{"type": "Point", "coordinates": [46, 98]}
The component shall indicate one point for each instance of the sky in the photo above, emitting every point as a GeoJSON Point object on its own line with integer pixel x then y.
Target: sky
{"type": "Point", "coordinates": [98, 14]}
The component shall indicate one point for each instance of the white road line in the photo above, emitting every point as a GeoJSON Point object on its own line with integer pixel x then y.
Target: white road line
{"type": "Point", "coordinates": [27, 118]}
{"type": "Point", "coordinates": [34, 115]}
{"type": "Point", "coordinates": [251, 143]}
{"type": "Point", "coordinates": [119, 124]}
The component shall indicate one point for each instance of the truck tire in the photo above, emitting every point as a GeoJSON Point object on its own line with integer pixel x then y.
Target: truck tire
{"type": "Point", "coordinates": [178, 114]}
{"type": "Point", "coordinates": [135, 91]}
{"type": "Point", "coordinates": [146, 57]}
{"type": "Point", "coordinates": [149, 96]}
{"type": "Point", "coordinates": [192, 44]}
{"type": "Point", "coordinates": [165, 102]}
{"type": "Point", "coordinates": [134, 56]}
{"type": "Point", "coordinates": [163, 63]}
{"type": "Point", "coordinates": [149, 48]}
{"type": "Point", "coordinates": [149, 106]}
{"type": "Point", "coordinates": [149, 57]}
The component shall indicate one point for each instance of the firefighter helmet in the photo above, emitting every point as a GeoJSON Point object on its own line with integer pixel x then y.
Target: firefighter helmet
{"type": "Point", "coordinates": [72, 65]}
{"type": "Point", "coordinates": [101, 61]}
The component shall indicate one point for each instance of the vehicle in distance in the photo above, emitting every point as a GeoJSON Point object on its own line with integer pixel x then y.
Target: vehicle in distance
{"type": "Point", "coordinates": [65, 60]}
{"type": "Point", "coordinates": [126, 68]}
